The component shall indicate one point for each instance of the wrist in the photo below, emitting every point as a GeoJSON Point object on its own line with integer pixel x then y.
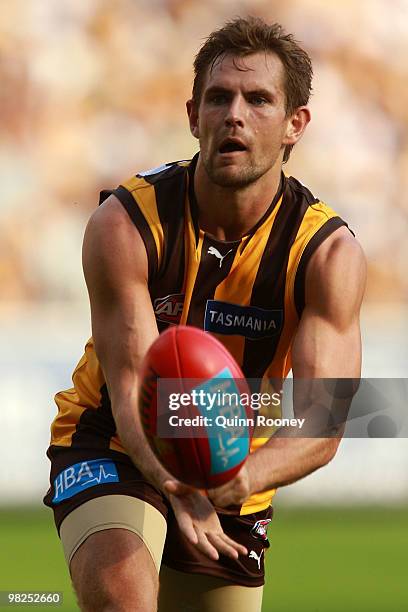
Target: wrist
{"type": "Point", "coordinates": [146, 462]}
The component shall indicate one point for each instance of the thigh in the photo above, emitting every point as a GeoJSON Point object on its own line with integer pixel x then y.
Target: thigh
{"type": "Point", "coordinates": [112, 524]}
{"type": "Point", "coordinates": [115, 513]}
{"type": "Point", "coordinates": [113, 570]}
{"type": "Point", "coordinates": [200, 593]}
{"type": "Point", "coordinates": [113, 545]}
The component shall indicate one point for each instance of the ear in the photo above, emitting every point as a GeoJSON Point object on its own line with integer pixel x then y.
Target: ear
{"type": "Point", "coordinates": [192, 113]}
{"type": "Point", "coordinates": [297, 123]}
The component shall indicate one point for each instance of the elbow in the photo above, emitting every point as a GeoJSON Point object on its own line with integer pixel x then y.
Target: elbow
{"type": "Point", "coordinates": [329, 450]}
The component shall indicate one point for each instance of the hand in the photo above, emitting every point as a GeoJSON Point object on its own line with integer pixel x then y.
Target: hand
{"type": "Point", "coordinates": [199, 522]}
{"type": "Point", "coordinates": [234, 492]}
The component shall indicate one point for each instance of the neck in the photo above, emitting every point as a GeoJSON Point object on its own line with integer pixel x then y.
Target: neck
{"type": "Point", "coordinates": [227, 213]}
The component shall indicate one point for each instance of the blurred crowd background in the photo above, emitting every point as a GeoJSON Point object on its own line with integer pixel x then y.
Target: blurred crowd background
{"type": "Point", "coordinates": [93, 91]}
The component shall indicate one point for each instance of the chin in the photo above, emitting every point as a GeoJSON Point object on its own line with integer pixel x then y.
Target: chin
{"type": "Point", "coordinates": [233, 177]}
{"type": "Point", "coordinates": [232, 182]}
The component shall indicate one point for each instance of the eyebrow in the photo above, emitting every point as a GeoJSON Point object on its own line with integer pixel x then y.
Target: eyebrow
{"type": "Point", "coordinates": [259, 91]}
{"type": "Point", "coordinates": [217, 89]}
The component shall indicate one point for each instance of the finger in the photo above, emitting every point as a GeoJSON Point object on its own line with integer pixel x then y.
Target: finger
{"type": "Point", "coordinates": [212, 494]}
{"type": "Point", "coordinates": [217, 490]}
{"type": "Point", "coordinates": [228, 496]}
{"type": "Point", "coordinates": [186, 527]}
{"type": "Point", "coordinates": [222, 490]}
{"type": "Point", "coordinates": [223, 500]}
{"type": "Point", "coordinates": [222, 546]}
{"type": "Point", "coordinates": [174, 487]}
{"type": "Point", "coordinates": [226, 545]}
{"type": "Point", "coordinates": [240, 548]}
{"type": "Point", "coordinates": [206, 547]}
{"type": "Point", "coordinates": [215, 497]}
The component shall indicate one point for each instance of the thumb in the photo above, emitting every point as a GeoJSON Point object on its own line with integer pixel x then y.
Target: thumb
{"type": "Point", "coordinates": [175, 487]}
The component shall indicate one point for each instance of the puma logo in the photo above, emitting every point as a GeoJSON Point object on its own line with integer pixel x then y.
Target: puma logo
{"type": "Point", "coordinates": [213, 251]}
{"type": "Point", "coordinates": [253, 555]}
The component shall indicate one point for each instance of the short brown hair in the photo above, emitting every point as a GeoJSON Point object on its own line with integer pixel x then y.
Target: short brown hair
{"type": "Point", "coordinates": [243, 37]}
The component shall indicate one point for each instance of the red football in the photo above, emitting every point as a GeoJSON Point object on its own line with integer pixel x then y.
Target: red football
{"type": "Point", "coordinates": [194, 408]}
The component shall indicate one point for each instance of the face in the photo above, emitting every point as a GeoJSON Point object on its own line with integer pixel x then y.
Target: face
{"type": "Point", "coordinates": [241, 120]}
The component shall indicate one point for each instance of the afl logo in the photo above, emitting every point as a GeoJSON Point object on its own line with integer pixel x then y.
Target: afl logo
{"type": "Point", "coordinates": [169, 308]}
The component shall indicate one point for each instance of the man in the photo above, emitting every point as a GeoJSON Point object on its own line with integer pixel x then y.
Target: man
{"type": "Point", "coordinates": [278, 254]}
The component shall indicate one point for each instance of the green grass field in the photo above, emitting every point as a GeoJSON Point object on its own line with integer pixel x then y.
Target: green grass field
{"type": "Point", "coordinates": [320, 560]}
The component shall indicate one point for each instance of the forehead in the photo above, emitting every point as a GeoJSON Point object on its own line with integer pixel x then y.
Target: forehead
{"type": "Point", "coordinates": [257, 70]}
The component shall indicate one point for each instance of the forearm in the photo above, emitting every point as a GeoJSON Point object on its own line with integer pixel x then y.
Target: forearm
{"type": "Point", "coordinates": [131, 434]}
{"type": "Point", "coordinates": [120, 353]}
{"type": "Point", "coordinates": [282, 461]}
{"type": "Point", "coordinates": [291, 454]}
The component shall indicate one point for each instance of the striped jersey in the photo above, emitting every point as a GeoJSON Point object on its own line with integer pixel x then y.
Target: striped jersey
{"type": "Point", "coordinates": [249, 293]}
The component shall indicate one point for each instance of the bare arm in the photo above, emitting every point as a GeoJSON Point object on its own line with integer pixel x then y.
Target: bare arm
{"type": "Point", "coordinates": [123, 323]}
{"type": "Point", "coordinates": [327, 345]}
{"type": "Point", "coordinates": [123, 326]}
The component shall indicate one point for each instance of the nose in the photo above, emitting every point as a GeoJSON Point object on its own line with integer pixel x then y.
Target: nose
{"type": "Point", "coordinates": [236, 112]}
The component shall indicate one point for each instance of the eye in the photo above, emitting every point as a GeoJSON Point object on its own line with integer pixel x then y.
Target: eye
{"type": "Point", "coordinates": [218, 99]}
{"type": "Point", "coordinates": [257, 100]}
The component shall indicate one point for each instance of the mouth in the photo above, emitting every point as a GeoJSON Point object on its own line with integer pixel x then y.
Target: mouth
{"type": "Point", "coordinates": [231, 145]}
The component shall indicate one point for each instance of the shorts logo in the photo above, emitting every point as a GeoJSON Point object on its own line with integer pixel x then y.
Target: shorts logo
{"type": "Point", "coordinates": [259, 532]}
{"type": "Point", "coordinates": [81, 476]}
{"type": "Point", "coordinates": [248, 321]}
{"type": "Point", "coordinates": [253, 555]}
{"type": "Point", "coordinates": [169, 308]}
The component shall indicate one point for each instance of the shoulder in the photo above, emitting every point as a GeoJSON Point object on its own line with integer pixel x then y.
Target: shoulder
{"type": "Point", "coordinates": [330, 238]}
{"type": "Point", "coordinates": [152, 176]}
{"type": "Point", "coordinates": [315, 209]}
{"type": "Point", "coordinates": [317, 219]}
{"type": "Point", "coordinates": [112, 241]}
{"type": "Point", "coordinates": [110, 221]}
{"type": "Point", "coordinates": [336, 277]}
{"type": "Point", "coordinates": [339, 251]}
{"type": "Point", "coordinates": [128, 190]}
